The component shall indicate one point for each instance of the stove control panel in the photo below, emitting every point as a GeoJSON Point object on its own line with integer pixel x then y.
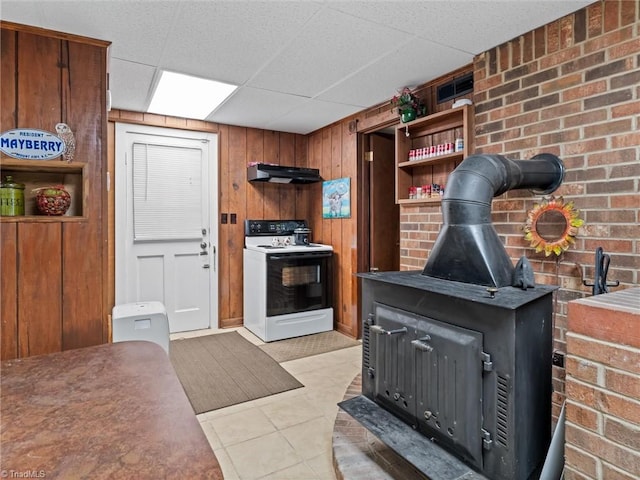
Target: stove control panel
{"type": "Point", "coordinates": [256, 228]}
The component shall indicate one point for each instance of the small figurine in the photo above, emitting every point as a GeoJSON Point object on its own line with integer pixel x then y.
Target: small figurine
{"type": "Point", "coordinates": [66, 135]}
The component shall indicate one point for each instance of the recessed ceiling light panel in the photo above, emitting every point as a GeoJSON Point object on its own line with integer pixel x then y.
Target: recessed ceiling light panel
{"type": "Point", "coordinates": [182, 95]}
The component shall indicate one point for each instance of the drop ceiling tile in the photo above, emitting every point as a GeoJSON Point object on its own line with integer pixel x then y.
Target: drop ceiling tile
{"type": "Point", "coordinates": [21, 11]}
{"type": "Point", "coordinates": [255, 108]}
{"type": "Point", "coordinates": [472, 26]}
{"type": "Point", "coordinates": [310, 116]}
{"type": "Point", "coordinates": [137, 30]}
{"type": "Point", "coordinates": [129, 84]}
{"type": "Point", "coordinates": [231, 41]}
{"type": "Point", "coordinates": [411, 65]}
{"type": "Point", "coordinates": [332, 46]}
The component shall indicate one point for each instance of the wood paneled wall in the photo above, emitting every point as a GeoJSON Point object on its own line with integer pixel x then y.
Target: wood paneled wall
{"type": "Point", "coordinates": [332, 149]}
{"type": "Point", "coordinates": [237, 147]}
{"type": "Point", "coordinates": [53, 268]}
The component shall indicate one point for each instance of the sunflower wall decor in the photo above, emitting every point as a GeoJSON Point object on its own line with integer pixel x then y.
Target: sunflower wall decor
{"type": "Point", "coordinates": [552, 225]}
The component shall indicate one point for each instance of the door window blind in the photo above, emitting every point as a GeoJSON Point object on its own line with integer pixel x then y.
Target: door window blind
{"type": "Point", "coordinates": [157, 171]}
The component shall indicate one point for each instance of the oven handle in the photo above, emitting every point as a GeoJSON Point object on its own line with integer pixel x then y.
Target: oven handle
{"type": "Point", "coordinates": [304, 256]}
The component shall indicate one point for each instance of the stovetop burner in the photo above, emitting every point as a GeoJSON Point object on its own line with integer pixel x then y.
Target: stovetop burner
{"type": "Point", "coordinates": [278, 235]}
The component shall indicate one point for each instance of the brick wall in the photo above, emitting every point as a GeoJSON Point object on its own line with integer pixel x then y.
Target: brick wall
{"type": "Point", "coordinates": [603, 387]}
{"type": "Point", "coordinates": [570, 88]}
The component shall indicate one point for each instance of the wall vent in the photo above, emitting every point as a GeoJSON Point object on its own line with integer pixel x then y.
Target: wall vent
{"type": "Point", "coordinates": [455, 88]}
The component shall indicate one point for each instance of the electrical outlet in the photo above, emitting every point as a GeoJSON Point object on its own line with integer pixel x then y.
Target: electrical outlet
{"type": "Point", "coordinates": [558, 359]}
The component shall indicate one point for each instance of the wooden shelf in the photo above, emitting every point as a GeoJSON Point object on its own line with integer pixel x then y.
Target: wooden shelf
{"type": "Point", "coordinates": [456, 157]}
{"type": "Point", "coordinates": [36, 174]}
{"type": "Point", "coordinates": [41, 219]}
{"type": "Point", "coordinates": [439, 128]}
{"type": "Point", "coordinates": [41, 166]}
{"type": "Point", "coordinates": [418, 201]}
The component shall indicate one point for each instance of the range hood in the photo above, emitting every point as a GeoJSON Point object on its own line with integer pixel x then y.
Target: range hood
{"type": "Point", "coordinates": [262, 172]}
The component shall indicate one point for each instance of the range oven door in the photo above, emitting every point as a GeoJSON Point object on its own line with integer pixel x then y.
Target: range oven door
{"type": "Point", "coordinates": [298, 282]}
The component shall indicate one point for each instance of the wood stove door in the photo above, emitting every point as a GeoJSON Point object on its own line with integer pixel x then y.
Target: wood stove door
{"type": "Point", "coordinates": [448, 362]}
{"type": "Point", "coordinates": [390, 339]}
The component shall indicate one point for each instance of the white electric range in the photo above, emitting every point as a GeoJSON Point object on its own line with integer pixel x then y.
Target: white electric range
{"type": "Point", "coordinates": [288, 288]}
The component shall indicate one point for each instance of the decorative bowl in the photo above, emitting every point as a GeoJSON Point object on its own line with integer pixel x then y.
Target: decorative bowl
{"type": "Point", "coordinates": [54, 200]}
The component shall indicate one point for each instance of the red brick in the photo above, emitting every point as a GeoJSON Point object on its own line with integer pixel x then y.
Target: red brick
{"type": "Point", "coordinates": [580, 25]}
{"type": "Point", "coordinates": [524, 119]}
{"type": "Point", "coordinates": [626, 171]}
{"type": "Point", "coordinates": [582, 369]}
{"type": "Point", "coordinates": [566, 31]}
{"type": "Point", "coordinates": [623, 433]}
{"type": "Point", "coordinates": [623, 383]}
{"type": "Point", "coordinates": [609, 215]}
{"type": "Point", "coordinates": [553, 37]}
{"type": "Point", "coordinates": [612, 187]}
{"type": "Point", "coordinates": [628, 12]}
{"type": "Point", "coordinates": [626, 201]}
{"type": "Point", "coordinates": [541, 77]}
{"type": "Point", "coordinates": [612, 157]}
{"type": "Point", "coordinates": [584, 91]}
{"type": "Point", "coordinates": [628, 140]}
{"type": "Point", "coordinates": [562, 57]}
{"type": "Point", "coordinates": [507, 111]}
{"type": "Point", "coordinates": [594, 19]}
{"type": "Point", "coordinates": [607, 40]}
{"type": "Point", "coordinates": [610, 472]}
{"type": "Point", "coordinates": [623, 358]}
{"type": "Point", "coordinates": [585, 146]}
{"type": "Point", "coordinates": [581, 461]}
{"type": "Point", "coordinates": [608, 128]}
{"type": "Point", "coordinates": [503, 57]}
{"type": "Point", "coordinates": [516, 52]}
{"type": "Point", "coordinates": [626, 231]}
{"type": "Point", "coordinates": [583, 416]}
{"type": "Point", "coordinates": [542, 127]}
{"type": "Point", "coordinates": [604, 449]}
{"type": "Point", "coordinates": [540, 43]}
{"type": "Point", "coordinates": [609, 245]}
{"type": "Point", "coordinates": [611, 15]}
{"type": "Point", "coordinates": [527, 47]}
{"type": "Point", "coordinates": [561, 137]}
{"type": "Point", "coordinates": [611, 324]}
{"type": "Point", "coordinates": [570, 474]}
{"type": "Point", "coordinates": [630, 108]}
{"type": "Point", "coordinates": [606, 99]}
{"type": "Point", "coordinates": [562, 110]}
{"type": "Point", "coordinates": [585, 118]}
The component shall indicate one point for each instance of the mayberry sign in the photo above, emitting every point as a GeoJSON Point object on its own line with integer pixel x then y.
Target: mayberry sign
{"type": "Point", "coordinates": [31, 144]}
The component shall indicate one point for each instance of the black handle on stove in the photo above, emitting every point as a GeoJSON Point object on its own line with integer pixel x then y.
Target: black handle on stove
{"type": "Point", "coordinates": [296, 256]}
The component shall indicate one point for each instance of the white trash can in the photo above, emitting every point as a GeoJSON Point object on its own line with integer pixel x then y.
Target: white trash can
{"type": "Point", "coordinates": [141, 321]}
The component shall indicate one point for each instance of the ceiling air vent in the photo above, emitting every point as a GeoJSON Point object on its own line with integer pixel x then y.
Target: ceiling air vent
{"type": "Point", "coordinates": [455, 88]}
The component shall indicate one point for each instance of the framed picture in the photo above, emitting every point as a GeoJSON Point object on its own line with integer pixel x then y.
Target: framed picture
{"type": "Point", "coordinates": [336, 198]}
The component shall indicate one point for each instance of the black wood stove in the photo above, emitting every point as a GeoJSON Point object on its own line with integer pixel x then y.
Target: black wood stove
{"type": "Point", "coordinates": [457, 353]}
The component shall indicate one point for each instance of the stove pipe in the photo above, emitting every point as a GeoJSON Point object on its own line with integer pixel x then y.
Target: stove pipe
{"type": "Point", "coordinates": [468, 248]}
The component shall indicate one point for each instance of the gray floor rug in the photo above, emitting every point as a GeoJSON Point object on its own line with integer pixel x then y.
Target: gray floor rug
{"type": "Point", "coordinates": [299, 347]}
{"type": "Point", "coordinates": [224, 369]}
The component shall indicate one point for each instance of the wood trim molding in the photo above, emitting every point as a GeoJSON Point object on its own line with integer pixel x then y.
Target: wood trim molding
{"type": "Point", "coordinates": [18, 27]}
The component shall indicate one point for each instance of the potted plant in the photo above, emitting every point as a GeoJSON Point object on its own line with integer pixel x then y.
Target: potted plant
{"type": "Point", "coordinates": [409, 106]}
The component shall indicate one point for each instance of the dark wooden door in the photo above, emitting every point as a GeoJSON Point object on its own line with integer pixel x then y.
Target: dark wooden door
{"type": "Point", "coordinates": [384, 214]}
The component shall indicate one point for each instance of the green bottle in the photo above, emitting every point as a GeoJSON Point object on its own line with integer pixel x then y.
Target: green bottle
{"type": "Point", "coordinates": [11, 198]}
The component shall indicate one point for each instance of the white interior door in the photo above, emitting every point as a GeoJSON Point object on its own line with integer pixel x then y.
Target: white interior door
{"type": "Point", "coordinates": [165, 237]}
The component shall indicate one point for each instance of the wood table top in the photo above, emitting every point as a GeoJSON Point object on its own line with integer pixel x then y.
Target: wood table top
{"type": "Point", "coordinates": [109, 411]}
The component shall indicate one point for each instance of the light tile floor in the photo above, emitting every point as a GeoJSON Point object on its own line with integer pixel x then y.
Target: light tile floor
{"type": "Point", "coordinates": [288, 435]}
